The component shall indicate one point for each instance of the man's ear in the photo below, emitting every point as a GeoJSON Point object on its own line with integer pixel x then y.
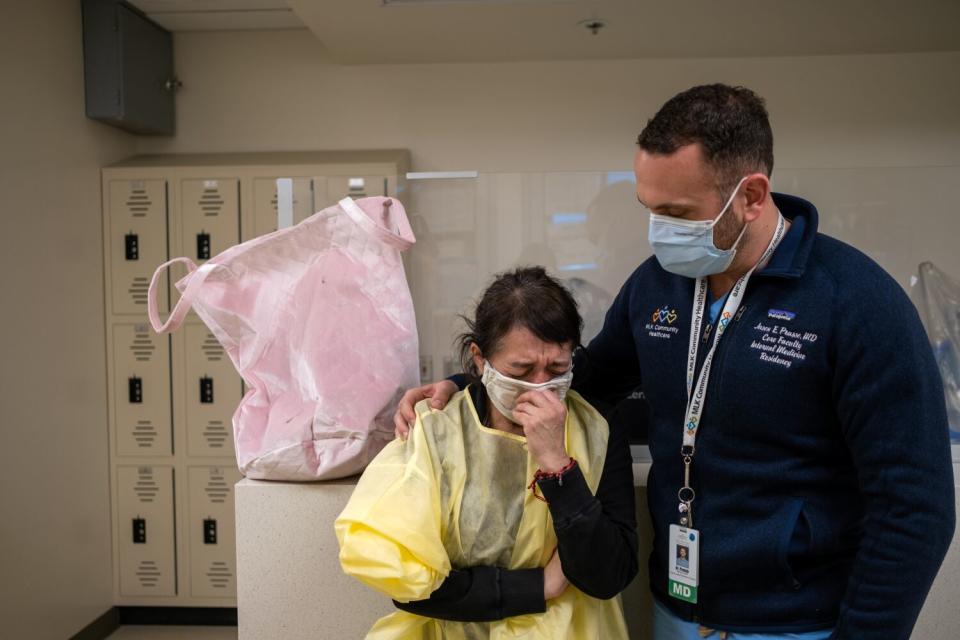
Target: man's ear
{"type": "Point", "coordinates": [755, 190]}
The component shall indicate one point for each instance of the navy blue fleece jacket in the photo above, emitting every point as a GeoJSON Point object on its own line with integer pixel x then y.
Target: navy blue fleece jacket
{"type": "Point", "coordinates": [823, 475]}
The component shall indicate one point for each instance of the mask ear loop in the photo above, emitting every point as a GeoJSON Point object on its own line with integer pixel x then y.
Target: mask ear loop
{"type": "Point", "coordinates": [726, 207]}
{"type": "Point", "coordinates": [736, 242]}
{"type": "Point", "coordinates": [484, 374]}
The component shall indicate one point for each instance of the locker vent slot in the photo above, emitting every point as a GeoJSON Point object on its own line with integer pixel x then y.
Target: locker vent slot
{"type": "Point", "coordinates": [145, 434]}
{"type": "Point", "coordinates": [142, 347]}
{"type": "Point", "coordinates": [146, 487]}
{"type": "Point", "coordinates": [138, 289]}
{"type": "Point", "coordinates": [216, 434]}
{"type": "Point", "coordinates": [211, 202]}
{"type": "Point", "coordinates": [219, 574]}
{"type": "Point", "coordinates": [217, 488]}
{"type": "Point", "coordinates": [148, 573]}
{"type": "Point", "coordinates": [139, 203]}
{"type": "Point", "coordinates": [212, 349]}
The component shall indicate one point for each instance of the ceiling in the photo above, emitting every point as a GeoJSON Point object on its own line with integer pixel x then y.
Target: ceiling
{"type": "Point", "coordinates": [409, 31]}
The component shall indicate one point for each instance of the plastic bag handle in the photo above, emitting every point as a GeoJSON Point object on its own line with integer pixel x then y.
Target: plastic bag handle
{"type": "Point", "coordinates": [196, 277]}
{"type": "Point", "coordinates": [402, 240]}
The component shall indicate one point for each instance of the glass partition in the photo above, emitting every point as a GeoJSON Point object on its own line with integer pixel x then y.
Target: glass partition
{"type": "Point", "coordinates": [588, 230]}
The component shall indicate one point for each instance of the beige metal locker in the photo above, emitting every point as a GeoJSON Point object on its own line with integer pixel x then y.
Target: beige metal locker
{"type": "Point", "coordinates": [141, 391]}
{"type": "Point", "coordinates": [212, 391]}
{"type": "Point", "coordinates": [210, 216]}
{"type": "Point", "coordinates": [265, 202]}
{"type": "Point", "coordinates": [172, 397]}
{"type": "Point", "coordinates": [137, 211]}
{"type": "Point", "coordinates": [145, 536]}
{"type": "Point", "coordinates": [211, 534]}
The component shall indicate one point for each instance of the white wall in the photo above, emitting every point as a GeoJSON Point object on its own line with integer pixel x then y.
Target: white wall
{"type": "Point", "coordinates": [54, 494]}
{"type": "Point", "coordinates": [278, 90]}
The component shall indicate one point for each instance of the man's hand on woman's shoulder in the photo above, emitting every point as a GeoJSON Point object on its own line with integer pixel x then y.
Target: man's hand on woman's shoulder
{"type": "Point", "coordinates": [439, 393]}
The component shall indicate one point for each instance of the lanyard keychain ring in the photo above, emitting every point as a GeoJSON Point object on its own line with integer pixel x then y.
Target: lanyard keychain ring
{"type": "Point", "coordinates": [686, 495]}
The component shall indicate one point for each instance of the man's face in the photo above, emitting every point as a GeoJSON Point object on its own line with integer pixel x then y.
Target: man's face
{"type": "Point", "coordinates": [683, 185]}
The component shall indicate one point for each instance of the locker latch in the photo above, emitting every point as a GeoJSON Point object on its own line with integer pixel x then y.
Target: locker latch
{"type": "Point", "coordinates": [206, 390]}
{"type": "Point", "coordinates": [131, 246]}
{"type": "Point", "coordinates": [209, 531]}
{"type": "Point", "coordinates": [203, 246]}
{"type": "Point", "coordinates": [135, 390]}
{"type": "Point", "coordinates": [139, 531]}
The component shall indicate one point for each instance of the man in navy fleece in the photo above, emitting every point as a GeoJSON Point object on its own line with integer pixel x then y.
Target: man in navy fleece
{"type": "Point", "coordinates": [797, 421]}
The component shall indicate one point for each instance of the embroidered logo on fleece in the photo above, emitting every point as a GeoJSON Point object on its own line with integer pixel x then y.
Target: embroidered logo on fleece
{"type": "Point", "coordinates": [780, 314]}
{"type": "Point", "coordinates": [661, 323]}
{"type": "Point", "coordinates": [665, 314]}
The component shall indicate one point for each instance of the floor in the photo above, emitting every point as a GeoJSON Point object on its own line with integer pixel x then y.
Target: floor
{"type": "Point", "coordinates": [169, 632]}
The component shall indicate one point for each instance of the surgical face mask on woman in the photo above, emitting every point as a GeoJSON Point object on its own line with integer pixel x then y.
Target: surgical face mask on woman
{"type": "Point", "coordinates": [503, 390]}
{"type": "Point", "coordinates": [687, 247]}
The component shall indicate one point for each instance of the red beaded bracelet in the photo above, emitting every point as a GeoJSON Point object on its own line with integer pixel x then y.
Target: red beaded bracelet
{"type": "Point", "coordinates": [540, 474]}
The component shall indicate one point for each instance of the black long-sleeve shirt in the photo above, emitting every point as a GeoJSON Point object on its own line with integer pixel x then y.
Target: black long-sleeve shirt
{"type": "Point", "coordinates": [596, 536]}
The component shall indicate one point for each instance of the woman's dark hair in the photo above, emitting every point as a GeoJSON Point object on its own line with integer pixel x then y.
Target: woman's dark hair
{"type": "Point", "coordinates": [525, 297]}
{"type": "Point", "coordinates": [730, 123]}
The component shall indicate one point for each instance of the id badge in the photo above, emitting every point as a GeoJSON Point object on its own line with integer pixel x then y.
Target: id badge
{"type": "Point", "coordinates": [683, 563]}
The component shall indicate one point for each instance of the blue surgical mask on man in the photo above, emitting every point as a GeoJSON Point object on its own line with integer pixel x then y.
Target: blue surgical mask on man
{"type": "Point", "coordinates": [687, 248]}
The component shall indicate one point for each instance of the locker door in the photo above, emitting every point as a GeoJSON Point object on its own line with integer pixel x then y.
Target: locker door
{"type": "Point", "coordinates": [137, 212]}
{"type": "Point", "coordinates": [213, 391]}
{"type": "Point", "coordinates": [265, 203]}
{"type": "Point", "coordinates": [211, 532]}
{"type": "Point", "coordinates": [141, 390]}
{"type": "Point", "coordinates": [210, 211]}
{"type": "Point", "coordinates": [359, 186]}
{"type": "Point", "coordinates": [145, 535]}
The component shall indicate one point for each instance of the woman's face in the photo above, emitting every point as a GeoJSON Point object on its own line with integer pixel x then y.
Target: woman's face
{"type": "Point", "coordinates": [524, 356]}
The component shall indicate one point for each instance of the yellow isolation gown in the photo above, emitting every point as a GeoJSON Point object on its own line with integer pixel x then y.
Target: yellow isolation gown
{"type": "Point", "coordinates": [454, 495]}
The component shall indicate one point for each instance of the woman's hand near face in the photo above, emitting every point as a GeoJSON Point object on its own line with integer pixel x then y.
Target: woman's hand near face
{"type": "Point", "coordinates": [543, 418]}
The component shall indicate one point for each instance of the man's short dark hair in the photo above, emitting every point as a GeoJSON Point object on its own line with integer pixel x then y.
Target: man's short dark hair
{"type": "Point", "coordinates": [730, 123]}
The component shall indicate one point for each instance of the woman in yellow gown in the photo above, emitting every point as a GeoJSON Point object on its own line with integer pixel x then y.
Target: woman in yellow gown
{"type": "Point", "coordinates": [507, 514]}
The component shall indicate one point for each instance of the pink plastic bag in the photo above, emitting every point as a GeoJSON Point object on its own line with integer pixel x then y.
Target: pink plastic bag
{"type": "Point", "coordinates": [319, 322]}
